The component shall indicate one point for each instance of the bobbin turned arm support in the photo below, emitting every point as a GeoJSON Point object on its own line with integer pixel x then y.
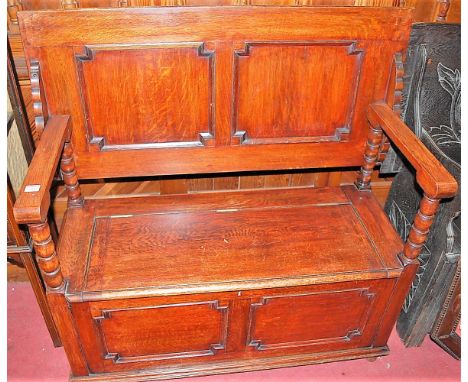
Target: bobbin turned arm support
{"type": "Point", "coordinates": [435, 181]}
{"type": "Point", "coordinates": [433, 178]}
{"type": "Point", "coordinates": [33, 202]}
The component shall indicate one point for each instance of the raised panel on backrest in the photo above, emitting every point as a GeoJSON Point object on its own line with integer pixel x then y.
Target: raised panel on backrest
{"type": "Point", "coordinates": [295, 91]}
{"type": "Point", "coordinates": [168, 85]}
{"type": "Point", "coordinates": [181, 90]}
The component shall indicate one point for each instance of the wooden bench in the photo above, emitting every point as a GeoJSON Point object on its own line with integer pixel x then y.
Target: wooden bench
{"type": "Point", "coordinates": [148, 288]}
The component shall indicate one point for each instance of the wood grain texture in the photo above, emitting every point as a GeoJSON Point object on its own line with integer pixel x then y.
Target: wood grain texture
{"type": "Point", "coordinates": [14, 6]}
{"type": "Point", "coordinates": [202, 331]}
{"type": "Point", "coordinates": [297, 113]}
{"type": "Point", "coordinates": [16, 237]}
{"type": "Point", "coordinates": [433, 178]}
{"type": "Point", "coordinates": [378, 227]}
{"type": "Point", "coordinates": [226, 367]}
{"type": "Point", "coordinates": [46, 256]}
{"type": "Point", "coordinates": [353, 23]}
{"type": "Point", "coordinates": [223, 234]}
{"type": "Point", "coordinates": [64, 321]}
{"type": "Point", "coordinates": [238, 245]}
{"type": "Point", "coordinates": [274, 325]}
{"type": "Point", "coordinates": [371, 156]}
{"type": "Point", "coordinates": [38, 97]}
{"type": "Point", "coordinates": [454, 12]}
{"type": "Point", "coordinates": [20, 249]}
{"type": "Point", "coordinates": [429, 10]}
{"type": "Point", "coordinates": [190, 329]}
{"type": "Point", "coordinates": [294, 51]}
{"type": "Point", "coordinates": [420, 228]}
{"type": "Point", "coordinates": [395, 302]}
{"type": "Point", "coordinates": [19, 245]}
{"type": "Point", "coordinates": [425, 11]}
{"type": "Point", "coordinates": [178, 78]}
{"type": "Point", "coordinates": [192, 185]}
{"type": "Point", "coordinates": [67, 169]}
{"type": "Point", "coordinates": [33, 202]}
{"type": "Point", "coordinates": [219, 318]}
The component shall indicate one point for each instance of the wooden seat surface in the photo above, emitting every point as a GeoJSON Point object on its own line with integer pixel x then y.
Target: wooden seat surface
{"type": "Point", "coordinates": [226, 241]}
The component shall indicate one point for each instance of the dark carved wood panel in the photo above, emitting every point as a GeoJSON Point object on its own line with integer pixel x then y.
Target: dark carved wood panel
{"type": "Point", "coordinates": [431, 108]}
{"type": "Point", "coordinates": [285, 110]}
{"type": "Point", "coordinates": [446, 329]}
{"type": "Point", "coordinates": [177, 78]}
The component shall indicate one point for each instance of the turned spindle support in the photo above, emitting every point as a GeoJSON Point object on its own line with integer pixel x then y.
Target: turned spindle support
{"type": "Point", "coordinates": [46, 256]}
{"type": "Point", "coordinates": [68, 170]}
{"type": "Point", "coordinates": [434, 180]}
{"type": "Point", "coordinates": [444, 6]}
{"type": "Point", "coordinates": [13, 6]}
{"type": "Point", "coordinates": [420, 229]}
{"type": "Point", "coordinates": [383, 149]}
{"type": "Point", "coordinates": [70, 4]}
{"type": "Point", "coordinates": [371, 156]}
{"type": "Point", "coordinates": [38, 98]}
{"type": "Point", "coordinates": [378, 144]}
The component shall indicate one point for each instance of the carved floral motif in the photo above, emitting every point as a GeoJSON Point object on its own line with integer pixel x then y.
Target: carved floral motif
{"type": "Point", "coordinates": [444, 135]}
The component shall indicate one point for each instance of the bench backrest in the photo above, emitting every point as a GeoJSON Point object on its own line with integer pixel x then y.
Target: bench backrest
{"type": "Point", "coordinates": [184, 90]}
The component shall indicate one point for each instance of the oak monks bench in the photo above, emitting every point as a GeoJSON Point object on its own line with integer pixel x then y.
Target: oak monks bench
{"type": "Point", "coordinates": [148, 288]}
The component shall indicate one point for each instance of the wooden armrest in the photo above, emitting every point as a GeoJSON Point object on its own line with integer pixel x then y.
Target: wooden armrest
{"type": "Point", "coordinates": [33, 201]}
{"type": "Point", "coordinates": [433, 178]}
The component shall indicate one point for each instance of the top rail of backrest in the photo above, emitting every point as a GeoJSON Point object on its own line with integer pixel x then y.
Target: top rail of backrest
{"type": "Point", "coordinates": [182, 90]}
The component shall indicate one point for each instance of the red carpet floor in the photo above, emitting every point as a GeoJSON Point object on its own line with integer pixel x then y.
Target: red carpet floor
{"type": "Point", "coordinates": [32, 357]}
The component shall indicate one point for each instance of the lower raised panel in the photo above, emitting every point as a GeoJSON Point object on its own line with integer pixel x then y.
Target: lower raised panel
{"type": "Point", "coordinates": [162, 332]}
{"type": "Point", "coordinates": [187, 330]}
{"type": "Point", "coordinates": [139, 335]}
{"type": "Point", "coordinates": [316, 318]}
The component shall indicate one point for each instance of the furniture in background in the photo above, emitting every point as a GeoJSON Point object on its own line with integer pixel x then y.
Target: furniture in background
{"type": "Point", "coordinates": [19, 252]}
{"type": "Point", "coordinates": [17, 239]}
{"type": "Point", "coordinates": [19, 245]}
{"type": "Point", "coordinates": [183, 285]}
{"type": "Point", "coordinates": [431, 108]}
{"type": "Point", "coordinates": [446, 328]}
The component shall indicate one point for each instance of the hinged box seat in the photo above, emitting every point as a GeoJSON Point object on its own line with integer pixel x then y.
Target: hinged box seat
{"type": "Point", "coordinates": [173, 280]}
{"type": "Point", "coordinates": [228, 241]}
{"type": "Point", "coordinates": [149, 288]}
